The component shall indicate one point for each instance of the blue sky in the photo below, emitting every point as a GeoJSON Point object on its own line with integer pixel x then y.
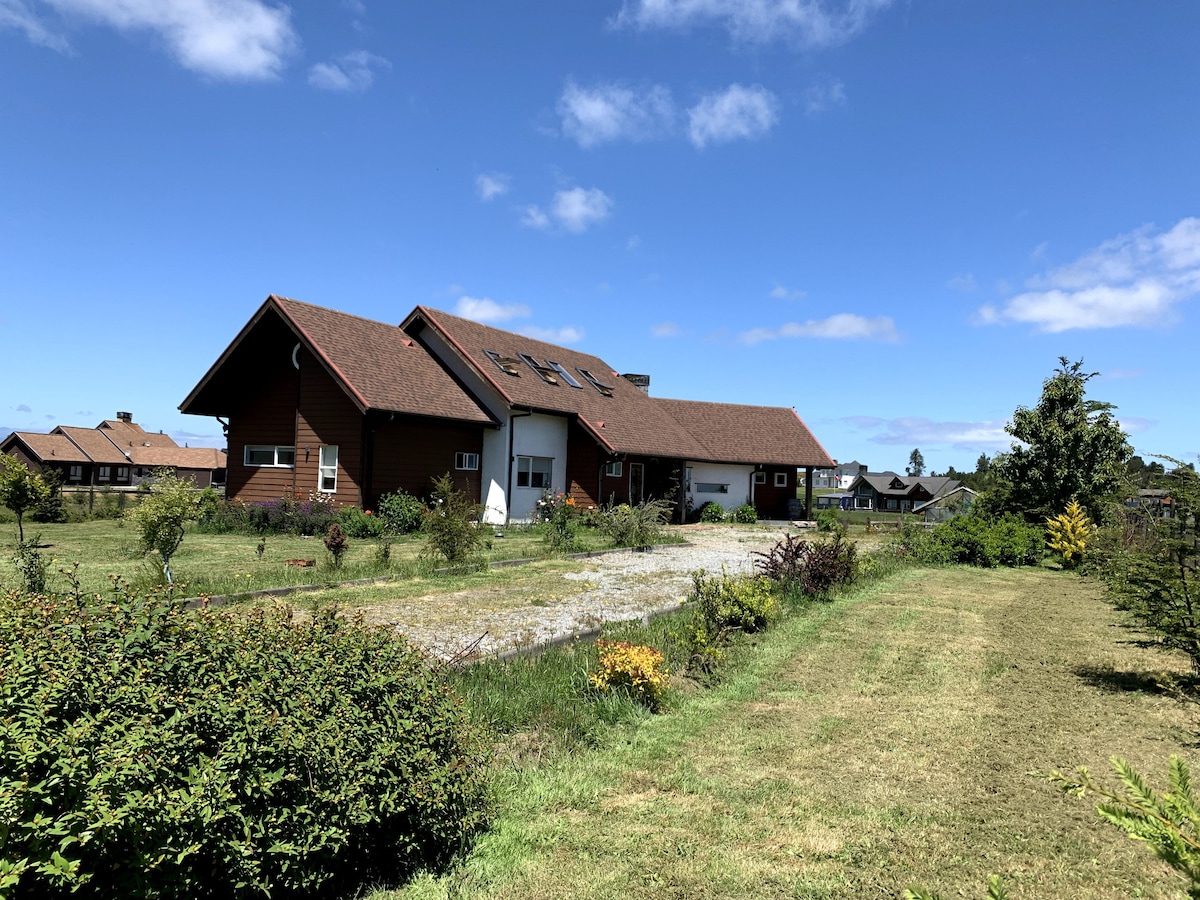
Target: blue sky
{"type": "Point", "coordinates": [893, 216]}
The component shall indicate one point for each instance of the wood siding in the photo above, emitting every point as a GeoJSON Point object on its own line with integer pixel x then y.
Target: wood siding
{"type": "Point", "coordinates": [771, 502]}
{"type": "Point", "coordinates": [408, 453]}
{"type": "Point", "coordinates": [583, 474]}
{"type": "Point", "coordinates": [327, 417]}
{"type": "Point", "coordinates": [266, 415]}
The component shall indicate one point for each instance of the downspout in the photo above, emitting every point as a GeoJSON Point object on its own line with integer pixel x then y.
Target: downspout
{"type": "Point", "coordinates": [512, 431]}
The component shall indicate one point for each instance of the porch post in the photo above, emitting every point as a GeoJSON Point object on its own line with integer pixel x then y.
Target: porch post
{"type": "Point", "coordinates": [808, 477]}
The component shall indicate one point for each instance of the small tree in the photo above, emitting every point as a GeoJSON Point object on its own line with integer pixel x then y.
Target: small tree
{"type": "Point", "coordinates": [1069, 449]}
{"type": "Point", "coordinates": [20, 489]}
{"type": "Point", "coordinates": [916, 463]}
{"type": "Point", "coordinates": [452, 524]}
{"type": "Point", "coordinates": [160, 516]}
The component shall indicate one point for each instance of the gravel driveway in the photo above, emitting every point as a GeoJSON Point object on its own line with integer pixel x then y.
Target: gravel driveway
{"type": "Point", "coordinates": [619, 586]}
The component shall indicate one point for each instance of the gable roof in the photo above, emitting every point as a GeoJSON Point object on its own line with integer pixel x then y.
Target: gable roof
{"type": "Point", "coordinates": [376, 364]}
{"type": "Point", "coordinates": [47, 447]}
{"type": "Point", "coordinates": [95, 444]}
{"type": "Point", "coordinates": [941, 498]}
{"type": "Point", "coordinates": [902, 485]}
{"type": "Point", "coordinates": [773, 435]}
{"type": "Point", "coordinates": [626, 421]}
{"type": "Point", "coordinates": [128, 435]}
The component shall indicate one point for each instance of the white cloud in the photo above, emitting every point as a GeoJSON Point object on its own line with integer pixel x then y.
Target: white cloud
{"type": "Point", "coordinates": [782, 292]}
{"type": "Point", "coordinates": [17, 14]}
{"type": "Point", "coordinates": [665, 330]}
{"type": "Point", "coordinates": [1135, 279]}
{"type": "Point", "coordinates": [578, 209]}
{"type": "Point", "coordinates": [485, 309]}
{"type": "Point", "coordinates": [806, 23]}
{"type": "Point", "coordinates": [965, 283]}
{"type": "Point", "coordinates": [610, 112]}
{"type": "Point", "coordinates": [916, 431]}
{"type": "Point", "coordinates": [234, 39]}
{"type": "Point", "coordinates": [634, 242]}
{"type": "Point", "coordinates": [492, 184]}
{"type": "Point", "coordinates": [353, 72]}
{"type": "Point", "coordinates": [355, 6]}
{"type": "Point", "coordinates": [565, 335]}
{"type": "Point", "coordinates": [824, 94]}
{"type": "Point", "coordinates": [843, 326]}
{"type": "Point", "coordinates": [735, 113]}
{"type": "Point", "coordinates": [533, 217]}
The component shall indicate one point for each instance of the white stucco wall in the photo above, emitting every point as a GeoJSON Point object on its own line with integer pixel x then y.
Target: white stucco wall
{"type": "Point", "coordinates": [737, 477]}
{"type": "Point", "coordinates": [494, 475]}
{"type": "Point", "coordinates": [537, 435]}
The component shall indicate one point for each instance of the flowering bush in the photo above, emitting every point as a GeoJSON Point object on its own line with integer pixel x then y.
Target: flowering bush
{"type": "Point", "coordinates": [360, 523]}
{"type": "Point", "coordinates": [561, 515]}
{"type": "Point", "coordinates": [287, 515]}
{"type": "Point", "coordinates": [633, 668]}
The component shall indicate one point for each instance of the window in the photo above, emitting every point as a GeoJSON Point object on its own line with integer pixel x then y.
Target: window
{"type": "Point", "coordinates": [327, 469]}
{"type": "Point", "coordinates": [76, 473]}
{"type": "Point", "coordinates": [760, 477]}
{"type": "Point", "coordinates": [105, 473]}
{"type": "Point", "coordinates": [781, 479]}
{"type": "Point", "coordinates": [613, 469]}
{"type": "Point", "coordinates": [545, 373]}
{"type": "Point", "coordinates": [892, 503]}
{"type": "Point", "coordinates": [533, 472]}
{"type": "Point", "coordinates": [566, 376]}
{"type": "Point", "coordinates": [466, 461]}
{"type": "Point", "coordinates": [595, 382]}
{"type": "Point", "coordinates": [270, 456]}
{"type": "Point", "coordinates": [122, 473]}
{"type": "Point", "coordinates": [708, 487]}
{"type": "Point", "coordinates": [506, 364]}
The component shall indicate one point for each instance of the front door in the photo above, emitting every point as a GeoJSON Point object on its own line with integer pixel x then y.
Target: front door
{"type": "Point", "coordinates": [637, 482]}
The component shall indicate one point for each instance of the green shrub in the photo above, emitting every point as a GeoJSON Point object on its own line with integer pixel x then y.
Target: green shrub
{"type": "Point", "coordinates": [973, 540]}
{"type": "Point", "coordinates": [160, 517]}
{"type": "Point", "coordinates": [743, 603]}
{"type": "Point", "coordinates": [635, 526]}
{"type": "Point", "coordinates": [712, 512]}
{"type": "Point", "coordinates": [31, 565]}
{"type": "Point", "coordinates": [287, 515]}
{"type": "Point", "coordinates": [400, 512]}
{"type": "Point", "coordinates": [357, 523]}
{"type": "Point", "coordinates": [451, 526]}
{"type": "Point", "coordinates": [165, 753]}
{"type": "Point", "coordinates": [560, 516]}
{"type": "Point", "coordinates": [635, 669]}
{"type": "Point", "coordinates": [744, 515]}
{"type": "Point", "coordinates": [828, 521]}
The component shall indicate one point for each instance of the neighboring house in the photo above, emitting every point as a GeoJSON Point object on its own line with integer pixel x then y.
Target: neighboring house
{"type": "Point", "coordinates": [116, 453]}
{"type": "Point", "coordinates": [889, 492]}
{"type": "Point", "coordinates": [325, 402]}
{"type": "Point", "coordinates": [839, 477]}
{"type": "Point", "coordinates": [947, 505]}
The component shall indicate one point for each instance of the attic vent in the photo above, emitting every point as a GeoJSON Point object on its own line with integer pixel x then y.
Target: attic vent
{"type": "Point", "coordinates": [605, 389]}
{"type": "Point", "coordinates": [506, 364]}
{"type": "Point", "coordinates": [544, 372]}
{"type": "Point", "coordinates": [566, 376]}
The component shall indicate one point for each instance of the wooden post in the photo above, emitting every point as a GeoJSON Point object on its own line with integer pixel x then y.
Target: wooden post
{"type": "Point", "coordinates": [808, 479]}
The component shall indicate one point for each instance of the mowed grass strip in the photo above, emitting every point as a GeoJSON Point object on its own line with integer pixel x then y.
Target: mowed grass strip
{"type": "Point", "coordinates": [878, 742]}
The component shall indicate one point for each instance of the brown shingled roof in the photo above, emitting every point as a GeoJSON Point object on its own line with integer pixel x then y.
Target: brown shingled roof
{"type": "Point", "coordinates": [627, 422]}
{"type": "Point", "coordinates": [378, 365]}
{"type": "Point", "coordinates": [51, 447]}
{"type": "Point", "coordinates": [94, 443]}
{"type": "Point", "coordinates": [731, 432]}
{"type": "Point", "coordinates": [130, 434]}
{"type": "Point", "coordinates": [179, 457]}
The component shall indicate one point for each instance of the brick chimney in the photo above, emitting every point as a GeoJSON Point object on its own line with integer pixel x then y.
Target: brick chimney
{"type": "Point", "coordinates": [126, 417]}
{"type": "Point", "coordinates": [641, 382]}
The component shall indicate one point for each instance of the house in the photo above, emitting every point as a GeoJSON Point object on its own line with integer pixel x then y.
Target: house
{"type": "Point", "coordinates": [116, 453]}
{"type": "Point", "coordinates": [947, 505]}
{"type": "Point", "coordinates": [320, 401]}
{"type": "Point", "coordinates": [889, 492]}
{"type": "Point", "coordinates": [839, 476]}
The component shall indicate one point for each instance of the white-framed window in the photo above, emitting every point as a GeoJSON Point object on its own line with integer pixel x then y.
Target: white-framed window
{"type": "Point", "coordinates": [327, 469]}
{"type": "Point", "coordinates": [709, 487]}
{"type": "Point", "coordinates": [263, 455]}
{"type": "Point", "coordinates": [614, 469]}
{"type": "Point", "coordinates": [534, 471]}
{"type": "Point", "coordinates": [760, 477]}
{"type": "Point", "coordinates": [781, 479]}
{"type": "Point", "coordinates": [466, 462]}
{"type": "Point", "coordinates": [105, 474]}
{"type": "Point", "coordinates": [75, 473]}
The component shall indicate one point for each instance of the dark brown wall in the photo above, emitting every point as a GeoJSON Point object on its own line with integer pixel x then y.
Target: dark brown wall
{"type": "Point", "coordinates": [583, 467]}
{"type": "Point", "coordinates": [265, 414]}
{"type": "Point", "coordinates": [772, 502]}
{"type": "Point", "coordinates": [408, 453]}
{"type": "Point", "coordinates": [327, 417]}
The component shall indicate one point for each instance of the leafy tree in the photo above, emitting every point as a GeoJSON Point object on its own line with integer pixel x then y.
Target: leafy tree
{"type": "Point", "coordinates": [161, 516]}
{"type": "Point", "coordinates": [916, 463]}
{"type": "Point", "coordinates": [451, 526]}
{"type": "Point", "coordinates": [20, 489]}
{"type": "Point", "coordinates": [1069, 448]}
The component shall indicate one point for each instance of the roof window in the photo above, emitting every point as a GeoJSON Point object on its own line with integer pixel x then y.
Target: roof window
{"type": "Point", "coordinates": [605, 389]}
{"type": "Point", "coordinates": [566, 376]}
{"type": "Point", "coordinates": [544, 372]}
{"type": "Point", "coordinates": [506, 364]}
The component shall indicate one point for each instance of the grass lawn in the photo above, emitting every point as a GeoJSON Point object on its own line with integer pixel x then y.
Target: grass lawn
{"type": "Point", "coordinates": [230, 564]}
{"type": "Point", "coordinates": [874, 743]}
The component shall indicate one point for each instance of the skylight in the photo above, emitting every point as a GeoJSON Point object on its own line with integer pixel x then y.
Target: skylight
{"type": "Point", "coordinates": [566, 376]}
{"type": "Point", "coordinates": [546, 374]}
{"type": "Point", "coordinates": [605, 389]}
{"type": "Point", "coordinates": [506, 364]}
